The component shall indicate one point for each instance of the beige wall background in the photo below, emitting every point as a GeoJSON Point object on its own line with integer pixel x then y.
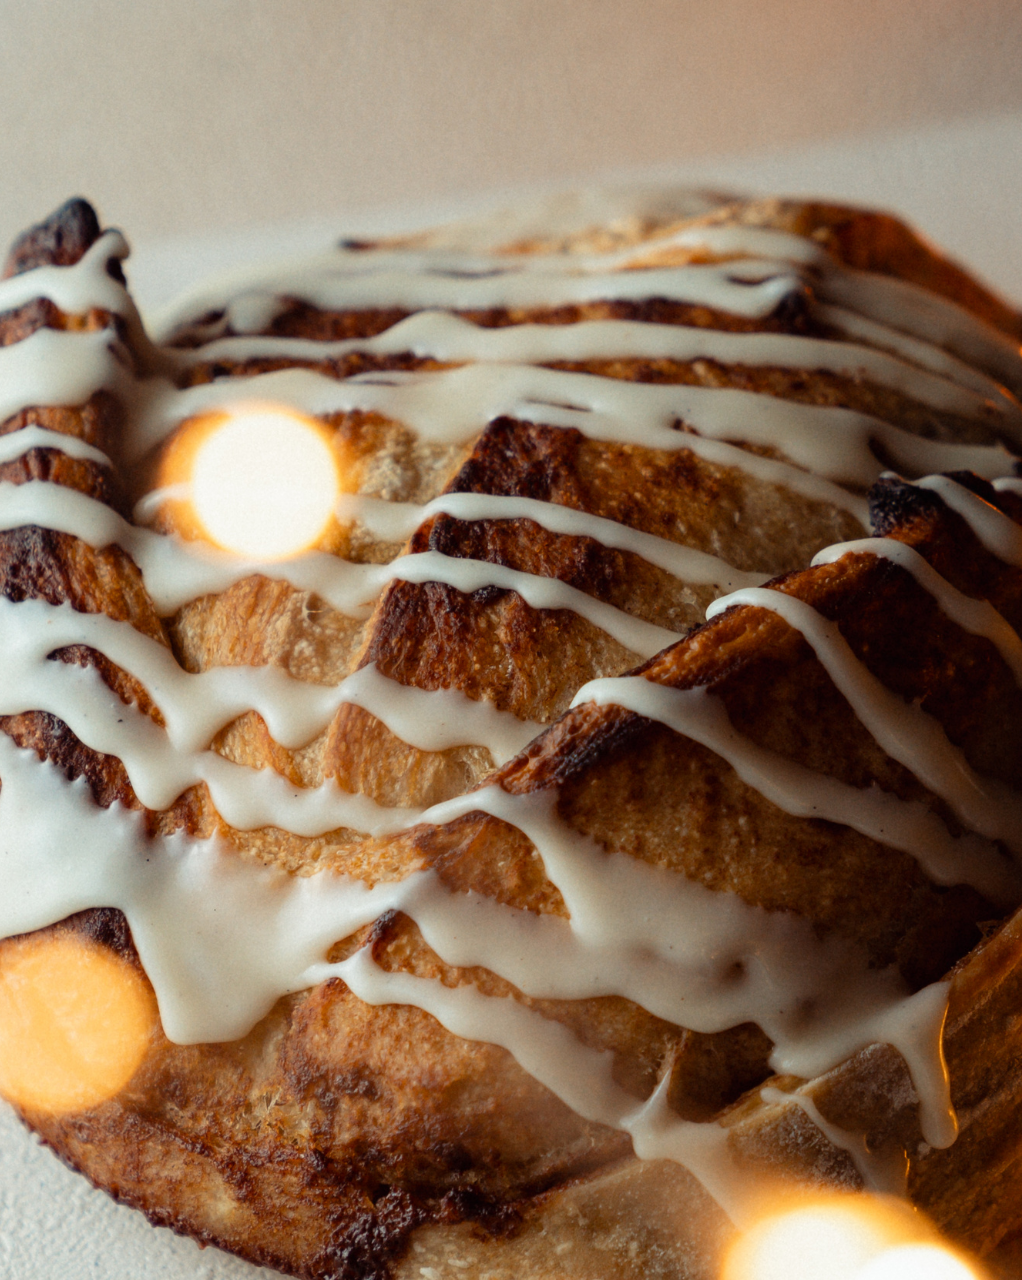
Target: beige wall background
{"type": "Point", "coordinates": [191, 118]}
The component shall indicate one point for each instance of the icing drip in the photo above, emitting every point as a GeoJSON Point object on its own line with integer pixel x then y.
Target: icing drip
{"type": "Point", "coordinates": [196, 706]}
{"type": "Point", "coordinates": [397, 521]}
{"type": "Point", "coordinates": [78, 288]}
{"type": "Point", "coordinates": [579, 1076]}
{"type": "Point", "coordinates": [682, 965]}
{"type": "Point", "coordinates": [176, 572]}
{"type": "Point", "coordinates": [887, 1175]}
{"type": "Point", "coordinates": [246, 798]}
{"type": "Point", "coordinates": [54, 367]}
{"type": "Point", "coordinates": [222, 939]}
{"type": "Point", "coordinates": [467, 576]}
{"type": "Point", "coordinates": [17, 443]}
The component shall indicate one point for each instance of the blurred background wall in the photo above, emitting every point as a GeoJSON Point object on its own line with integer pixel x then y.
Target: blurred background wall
{"type": "Point", "coordinates": [219, 121]}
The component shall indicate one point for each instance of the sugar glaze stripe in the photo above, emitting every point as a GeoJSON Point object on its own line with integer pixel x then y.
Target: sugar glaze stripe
{"type": "Point", "coordinates": [906, 825]}
{"type": "Point", "coordinates": [903, 730]}
{"type": "Point", "coordinates": [449, 338]}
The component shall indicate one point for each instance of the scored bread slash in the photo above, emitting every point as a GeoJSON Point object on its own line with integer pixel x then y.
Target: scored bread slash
{"type": "Point", "coordinates": [496, 904]}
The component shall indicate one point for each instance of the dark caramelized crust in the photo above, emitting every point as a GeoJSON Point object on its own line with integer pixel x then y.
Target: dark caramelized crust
{"type": "Point", "coordinates": [60, 241]}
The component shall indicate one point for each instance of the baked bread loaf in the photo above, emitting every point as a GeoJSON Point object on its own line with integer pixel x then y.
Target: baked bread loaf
{"type": "Point", "coordinates": [505, 916]}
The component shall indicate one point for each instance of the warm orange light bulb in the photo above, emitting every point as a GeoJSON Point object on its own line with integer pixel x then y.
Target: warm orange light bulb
{"type": "Point", "coordinates": [262, 482]}
{"type": "Point", "coordinates": [826, 1241]}
{"type": "Point", "coordinates": [843, 1237]}
{"type": "Point", "coordinates": [75, 1023]}
{"type": "Point", "coordinates": [917, 1262]}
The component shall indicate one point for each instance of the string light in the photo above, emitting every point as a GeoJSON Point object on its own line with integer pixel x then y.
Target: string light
{"type": "Point", "coordinates": [844, 1238]}
{"type": "Point", "coordinates": [75, 1022]}
{"type": "Point", "coordinates": [260, 482]}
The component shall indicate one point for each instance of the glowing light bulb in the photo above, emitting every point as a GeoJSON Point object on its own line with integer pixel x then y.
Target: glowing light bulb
{"type": "Point", "coordinates": [75, 1022]}
{"type": "Point", "coordinates": [916, 1262]}
{"type": "Point", "coordinates": [844, 1237]}
{"type": "Point", "coordinates": [819, 1242]}
{"type": "Point", "coordinates": [263, 483]}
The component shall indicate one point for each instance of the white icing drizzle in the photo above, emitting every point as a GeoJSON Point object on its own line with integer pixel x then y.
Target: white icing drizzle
{"type": "Point", "coordinates": [242, 936]}
{"type": "Point", "coordinates": [581, 1077]}
{"type": "Point", "coordinates": [453, 406]}
{"type": "Point", "coordinates": [75, 290]}
{"type": "Point", "coordinates": [1001, 536]}
{"type": "Point", "coordinates": [904, 731]}
{"type": "Point", "coordinates": [161, 763]}
{"type": "Point", "coordinates": [832, 441]}
{"type": "Point", "coordinates": [436, 720]}
{"type": "Point", "coordinates": [176, 572]}
{"type": "Point", "coordinates": [419, 402]}
{"type": "Point", "coordinates": [78, 288]}
{"type": "Point", "coordinates": [905, 825]}
{"type": "Point", "coordinates": [643, 638]}
{"type": "Point", "coordinates": [415, 282]}
{"type": "Point", "coordinates": [449, 338]}
{"type": "Point", "coordinates": [52, 366]}
{"type": "Point", "coordinates": [397, 521]}
{"type": "Point", "coordinates": [616, 901]}
{"type": "Point", "coordinates": [696, 935]}
{"type": "Point", "coordinates": [914, 350]}
{"type": "Point", "coordinates": [196, 706]}
{"type": "Point", "coordinates": [636, 925]}
{"type": "Point", "coordinates": [221, 938]}
{"type": "Point", "coordinates": [925, 315]}
{"type": "Point", "coordinates": [903, 306]}
{"type": "Point", "coordinates": [979, 617]}
{"type": "Point", "coordinates": [886, 1176]}
{"type": "Point", "coordinates": [17, 443]}
{"type": "Point", "coordinates": [763, 242]}
{"type": "Point", "coordinates": [246, 798]}
{"type": "Point", "coordinates": [893, 303]}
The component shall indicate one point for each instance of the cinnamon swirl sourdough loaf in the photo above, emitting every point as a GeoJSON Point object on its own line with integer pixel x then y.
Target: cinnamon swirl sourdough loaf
{"type": "Point", "coordinates": [505, 916]}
